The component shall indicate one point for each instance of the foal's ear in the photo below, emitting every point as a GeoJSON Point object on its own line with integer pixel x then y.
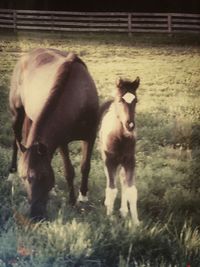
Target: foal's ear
{"type": "Point", "coordinates": [119, 82]}
{"type": "Point", "coordinates": [41, 148]}
{"type": "Point", "coordinates": [136, 83]}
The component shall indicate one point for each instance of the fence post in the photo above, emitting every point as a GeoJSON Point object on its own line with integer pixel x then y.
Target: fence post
{"type": "Point", "coordinates": [52, 22]}
{"type": "Point", "coordinates": [169, 20]}
{"type": "Point", "coordinates": [129, 24]}
{"type": "Point", "coordinates": [15, 20]}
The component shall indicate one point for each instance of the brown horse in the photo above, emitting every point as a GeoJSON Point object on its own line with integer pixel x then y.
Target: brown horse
{"type": "Point", "coordinates": [54, 100]}
{"type": "Point", "coordinates": [117, 140]}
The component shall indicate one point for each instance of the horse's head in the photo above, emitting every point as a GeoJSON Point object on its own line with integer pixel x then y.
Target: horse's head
{"type": "Point", "coordinates": [37, 173]}
{"type": "Point", "coordinates": [125, 103]}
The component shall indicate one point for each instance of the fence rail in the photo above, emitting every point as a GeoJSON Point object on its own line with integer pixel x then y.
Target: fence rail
{"type": "Point", "coordinates": [98, 21]}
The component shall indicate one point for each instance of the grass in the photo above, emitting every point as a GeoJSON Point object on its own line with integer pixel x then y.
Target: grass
{"type": "Point", "coordinates": [168, 151]}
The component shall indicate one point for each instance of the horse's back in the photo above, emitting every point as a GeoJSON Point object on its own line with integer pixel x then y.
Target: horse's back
{"type": "Point", "coordinates": [32, 80]}
{"type": "Point", "coordinates": [77, 107]}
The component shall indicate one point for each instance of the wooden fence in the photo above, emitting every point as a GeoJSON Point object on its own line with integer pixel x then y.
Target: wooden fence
{"type": "Point", "coordinates": [98, 21]}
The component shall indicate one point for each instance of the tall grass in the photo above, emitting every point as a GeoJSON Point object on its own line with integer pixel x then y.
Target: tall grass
{"type": "Point", "coordinates": [168, 152]}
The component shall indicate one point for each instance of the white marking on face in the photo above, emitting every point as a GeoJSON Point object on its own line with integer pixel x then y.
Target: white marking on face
{"type": "Point", "coordinates": [128, 97]}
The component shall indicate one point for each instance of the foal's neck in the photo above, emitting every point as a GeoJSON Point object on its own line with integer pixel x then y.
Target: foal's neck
{"type": "Point", "coordinates": [117, 124]}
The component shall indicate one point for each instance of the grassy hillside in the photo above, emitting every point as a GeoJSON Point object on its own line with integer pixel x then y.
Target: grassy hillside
{"type": "Point", "coordinates": [168, 154]}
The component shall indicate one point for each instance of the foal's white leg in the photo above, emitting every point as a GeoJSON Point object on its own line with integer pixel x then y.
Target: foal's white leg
{"type": "Point", "coordinates": [131, 194]}
{"type": "Point", "coordinates": [124, 203]}
{"type": "Point", "coordinates": [110, 195]}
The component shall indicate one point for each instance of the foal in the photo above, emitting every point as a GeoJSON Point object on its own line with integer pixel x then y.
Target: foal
{"type": "Point", "coordinates": [117, 140]}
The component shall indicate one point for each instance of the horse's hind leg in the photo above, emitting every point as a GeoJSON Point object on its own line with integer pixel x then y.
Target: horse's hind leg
{"type": "Point", "coordinates": [18, 120]}
{"type": "Point", "coordinates": [87, 147]}
{"type": "Point", "coordinates": [69, 172]}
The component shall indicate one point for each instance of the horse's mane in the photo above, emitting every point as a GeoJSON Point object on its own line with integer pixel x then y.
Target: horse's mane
{"type": "Point", "coordinates": [57, 89]}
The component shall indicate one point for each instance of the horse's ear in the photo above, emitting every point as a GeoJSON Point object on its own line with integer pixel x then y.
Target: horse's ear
{"type": "Point", "coordinates": [41, 148]}
{"type": "Point", "coordinates": [136, 83]}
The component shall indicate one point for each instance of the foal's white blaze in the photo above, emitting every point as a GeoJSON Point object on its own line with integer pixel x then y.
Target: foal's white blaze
{"type": "Point", "coordinates": [128, 97]}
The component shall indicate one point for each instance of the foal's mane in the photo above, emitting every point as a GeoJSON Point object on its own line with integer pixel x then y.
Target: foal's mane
{"type": "Point", "coordinates": [56, 91]}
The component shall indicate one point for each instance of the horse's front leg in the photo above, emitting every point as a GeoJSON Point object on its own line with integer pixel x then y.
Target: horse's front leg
{"type": "Point", "coordinates": [110, 168]}
{"type": "Point", "coordinates": [69, 172]}
{"type": "Point", "coordinates": [129, 192]}
{"type": "Point", "coordinates": [18, 120]}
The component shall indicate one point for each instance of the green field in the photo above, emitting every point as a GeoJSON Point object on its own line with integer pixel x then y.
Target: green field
{"type": "Point", "coordinates": [168, 160]}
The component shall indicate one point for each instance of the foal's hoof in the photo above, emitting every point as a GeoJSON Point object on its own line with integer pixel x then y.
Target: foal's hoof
{"type": "Point", "coordinates": [136, 222]}
{"type": "Point", "coordinates": [123, 212]}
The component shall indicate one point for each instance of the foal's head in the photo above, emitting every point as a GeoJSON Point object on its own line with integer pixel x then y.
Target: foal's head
{"type": "Point", "coordinates": [36, 170]}
{"type": "Point", "coordinates": [125, 103]}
